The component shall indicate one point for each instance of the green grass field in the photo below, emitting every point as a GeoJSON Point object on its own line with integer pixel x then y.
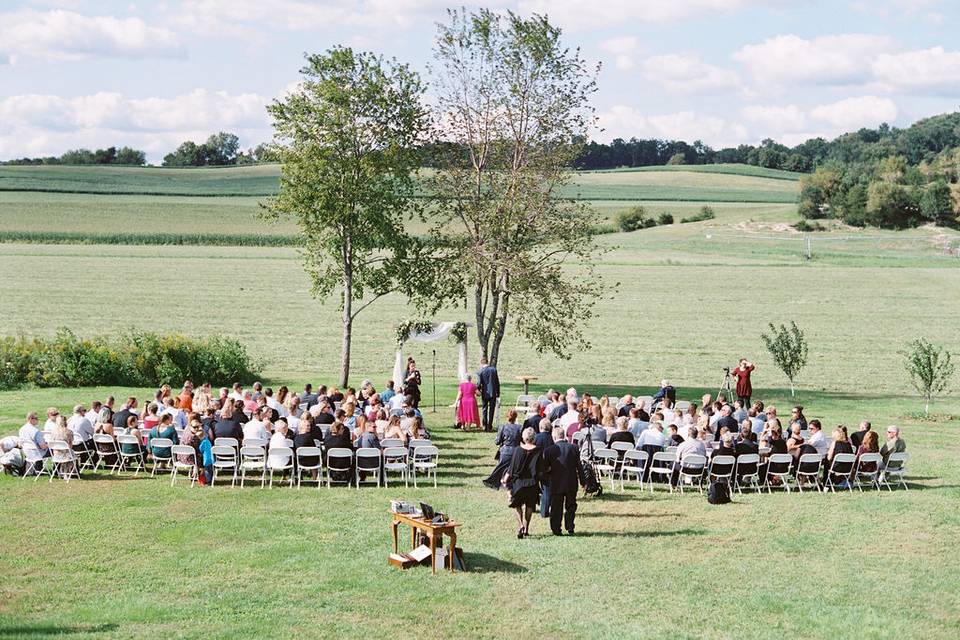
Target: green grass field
{"type": "Point", "coordinates": [680, 301]}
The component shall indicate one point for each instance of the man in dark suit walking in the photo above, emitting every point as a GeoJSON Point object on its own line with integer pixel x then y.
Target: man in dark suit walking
{"type": "Point", "coordinates": [565, 472]}
{"type": "Point", "coordinates": [489, 392]}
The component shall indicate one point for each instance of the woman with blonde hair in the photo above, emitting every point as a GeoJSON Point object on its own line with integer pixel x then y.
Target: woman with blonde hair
{"type": "Point", "coordinates": [839, 444]}
{"type": "Point", "coordinates": [393, 430]}
{"type": "Point", "coordinates": [202, 398]}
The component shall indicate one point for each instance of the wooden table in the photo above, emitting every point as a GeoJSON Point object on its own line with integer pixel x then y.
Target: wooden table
{"type": "Point", "coordinates": [433, 531]}
{"type": "Point", "coordinates": [526, 383]}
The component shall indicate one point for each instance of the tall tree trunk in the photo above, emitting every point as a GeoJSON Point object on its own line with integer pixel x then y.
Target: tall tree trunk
{"type": "Point", "coordinates": [347, 326]}
{"type": "Point", "coordinates": [482, 333]}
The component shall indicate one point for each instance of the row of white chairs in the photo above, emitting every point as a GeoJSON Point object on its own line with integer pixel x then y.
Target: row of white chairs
{"type": "Point", "coordinates": [867, 470]}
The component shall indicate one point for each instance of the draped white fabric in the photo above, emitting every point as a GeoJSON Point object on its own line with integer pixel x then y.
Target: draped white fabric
{"type": "Point", "coordinates": [440, 331]}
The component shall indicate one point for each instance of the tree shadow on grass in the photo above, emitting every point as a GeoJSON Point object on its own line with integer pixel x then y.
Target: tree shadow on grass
{"type": "Point", "coordinates": [53, 630]}
{"type": "Point", "coordinates": [639, 534]}
{"type": "Point", "coordinates": [483, 563]}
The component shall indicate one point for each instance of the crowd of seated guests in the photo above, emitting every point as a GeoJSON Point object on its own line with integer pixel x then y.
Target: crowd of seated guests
{"type": "Point", "coordinates": [713, 427]}
{"type": "Point", "coordinates": [195, 417]}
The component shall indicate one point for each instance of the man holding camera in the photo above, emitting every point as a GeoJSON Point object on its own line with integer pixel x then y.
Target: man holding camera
{"type": "Point", "coordinates": [742, 374]}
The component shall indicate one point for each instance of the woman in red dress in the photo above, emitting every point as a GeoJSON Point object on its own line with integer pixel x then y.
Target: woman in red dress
{"type": "Point", "coordinates": [467, 412]}
{"type": "Point", "coordinates": [742, 374]}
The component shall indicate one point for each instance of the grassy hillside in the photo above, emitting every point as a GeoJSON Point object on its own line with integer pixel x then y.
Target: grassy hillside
{"type": "Point", "coordinates": [726, 169]}
{"type": "Point", "coordinates": [262, 181]}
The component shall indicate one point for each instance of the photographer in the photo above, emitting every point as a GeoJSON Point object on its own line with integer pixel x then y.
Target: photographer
{"type": "Point", "coordinates": [742, 374]}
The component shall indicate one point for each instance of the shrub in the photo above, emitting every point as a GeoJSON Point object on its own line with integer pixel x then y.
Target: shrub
{"type": "Point", "coordinates": [807, 227]}
{"type": "Point", "coordinates": [136, 359]}
{"type": "Point", "coordinates": [649, 222]}
{"type": "Point", "coordinates": [930, 368]}
{"type": "Point", "coordinates": [665, 218]}
{"type": "Point", "coordinates": [632, 219]}
{"type": "Point", "coordinates": [706, 213]}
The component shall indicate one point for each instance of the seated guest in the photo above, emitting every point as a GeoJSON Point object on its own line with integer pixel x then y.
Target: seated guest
{"type": "Point", "coordinates": [323, 412]}
{"type": "Point", "coordinates": [105, 427]}
{"type": "Point", "coordinates": [795, 441]}
{"type": "Point", "coordinates": [622, 434]}
{"type": "Point", "coordinates": [191, 437]}
{"type": "Point", "coordinates": [870, 444]}
{"type": "Point", "coordinates": [839, 444]}
{"type": "Point", "coordinates": [626, 407]}
{"type": "Point", "coordinates": [757, 421]}
{"type": "Point", "coordinates": [796, 415]}
{"type": "Point", "coordinates": [394, 431]}
{"type": "Point", "coordinates": [608, 422]}
{"type": "Point", "coordinates": [894, 443]}
{"type": "Point", "coordinates": [338, 437]}
{"type": "Point", "coordinates": [304, 438]}
{"type": "Point", "coordinates": [11, 456]}
{"type": "Point", "coordinates": [817, 440]}
{"type": "Point", "coordinates": [163, 430]}
{"type": "Point", "coordinates": [693, 445]}
{"type": "Point", "coordinates": [856, 438]}
{"type": "Point", "coordinates": [228, 425]}
{"type": "Point", "coordinates": [60, 432]}
{"type": "Point", "coordinates": [739, 412]}
{"type": "Point", "coordinates": [152, 417]}
{"type": "Point", "coordinates": [368, 438]}
{"type": "Point", "coordinates": [417, 432]}
{"type": "Point", "coordinates": [129, 409]}
{"type": "Point", "coordinates": [387, 394]}
{"type": "Point", "coordinates": [278, 458]}
{"type": "Point", "coordinates": [726, 447]}
{"type": "Point", "coordinates": [82, 430]}
{"type": "Point", "coordinates": [257, 428]}
{"type": "Point", "coordinates": [533, 418]}
{"type": "Point", "coordinates": [381, 421]}
{"type": "Point", "coordinates": [132, 448]}
{"type": "Point", "coordinates": [726, 419]}
{"type": "Point", "coordinates": [745, 443]}
{"type": "Point", "coordinates": [774, 440]}
{"type": "Point", "coordinates": [674, 439]}
{"type": "Point", "coordinates": [575, 426]}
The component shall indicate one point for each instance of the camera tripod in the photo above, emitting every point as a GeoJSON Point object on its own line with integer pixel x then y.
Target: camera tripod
{"type": "Point", "coordinates": [726, 387]}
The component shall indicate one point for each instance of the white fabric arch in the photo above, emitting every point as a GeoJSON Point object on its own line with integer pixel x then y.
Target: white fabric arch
{"type": "Point", "coordinates": [439, 332]}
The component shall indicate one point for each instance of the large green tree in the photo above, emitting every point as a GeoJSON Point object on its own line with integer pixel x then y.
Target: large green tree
{"type": "Point", "coordinates": [513, 106]}
{"type": "Point", "coordinates": [347, 139]}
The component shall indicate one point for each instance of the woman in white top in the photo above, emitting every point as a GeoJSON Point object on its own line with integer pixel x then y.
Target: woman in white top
{"type": "Point", "coordinates": [278, 439]}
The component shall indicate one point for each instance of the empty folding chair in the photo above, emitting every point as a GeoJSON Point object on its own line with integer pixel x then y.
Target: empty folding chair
{"type": "Point", "coordinates": [778, 466]}
{"type": "Point", "coordinates": [64, 461]}
{"type": "Point", "coordinates": [721, 469]}
{"type": "Point", "coordinates": [524, 400]}
{"type": "Point", "coordinates": [395, 459]}
{"type": "Point", "coordinates": [227, 442]}
{"type": "Point", "coordinates": [896, 468]}
{"type": "Point", "coordinates": [367, 463]}
{"type": "Point", "coordinates": [868, 469]}
{"type": "Point", "coordinates": [339, 461]}
{"type": "Point", "coordinates": [389, 443]}
{"type": "Point", "coordinates": [634, 463]}
{"type": "Point", "coordinates": [840, 471]}
{"type": "Point", "coordinates": [253, 459]}
{"type": "Point", "coordinates": [190, 466]}
{"type": "Point", "coordinates": [131, 451]}
{"type": "Point", "coordinates": [412, 446]}
{"type": "Point", "coordinates": [107, 453]}
{"type": "Point", "coordinates": [224, 460]}
{"type": "Point", "coordinates": [162, 451]}
{"type": "Point", "coordinates": [280, 459]}
{"type": "Point", "coordinates": [747, 471]}
{"type": "Point", "coordinates": [692, 469]}
{"type": "Point", "coordinates": [308, 459]}
{"type": "Point", "coordinates": [427, 460]}
{"type": "Point", "coordinates": [809, 468]}
{"type": "Point", "coordinates": [662, 465]}
{"type": "Point", "coordinates": [605, 463]}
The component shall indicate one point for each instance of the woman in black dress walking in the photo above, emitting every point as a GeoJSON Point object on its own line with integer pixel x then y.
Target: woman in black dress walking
{"type": "Point", "coordinates": [523, 480]}
{"type": "Point", "coordinates": [412, 382]}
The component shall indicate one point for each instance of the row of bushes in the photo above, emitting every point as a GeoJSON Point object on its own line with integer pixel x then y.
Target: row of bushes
{"type": "Point", "coordinates": [133, 359]}
{"type": "Point", "coordinates": [636, 218]}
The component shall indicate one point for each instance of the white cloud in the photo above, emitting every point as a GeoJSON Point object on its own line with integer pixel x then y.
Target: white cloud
{"type": "Point", "coordinates": [623, 49]}
{"type": "Point", "coordinates": [922, 69]}
{"type": "Point", "coordinates": [581, 14]}
{"type": "Point", "coordinates": [48, 124]}
{"type": "Point", "coordinates": [687, 74]}
{"type": "Point", "coordinates": [60, 35]}
{"type": "Point", "coordinates": [775, 118]}
{"type": "Point", "coordinates": [852, 113]}
{"type": "Point", "coordinates": [622, 121]}
{"type": "Point", "coordinates": [833, 59]}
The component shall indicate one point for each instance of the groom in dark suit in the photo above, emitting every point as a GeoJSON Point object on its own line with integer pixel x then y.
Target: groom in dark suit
{"type": "Point", "coordinates": [565, 475]}
{"type": "Point", "coordinates": [489, 392]}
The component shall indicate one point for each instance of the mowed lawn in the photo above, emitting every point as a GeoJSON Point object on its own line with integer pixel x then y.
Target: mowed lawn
{"type": "Point", "coordinates": [134, 558]}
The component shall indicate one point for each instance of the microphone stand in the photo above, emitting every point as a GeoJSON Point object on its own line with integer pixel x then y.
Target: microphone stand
{"type": "Point", "coordinates": [434, 380]}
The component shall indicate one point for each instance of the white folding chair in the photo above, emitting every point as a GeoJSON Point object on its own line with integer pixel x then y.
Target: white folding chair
{"type": "Point", "coordinates": [681, 406]}
{"type": "Point", "coordinates": [190, 467]}
{"type": "Point", "coordinates": [368, 461]}
{"type": "Point", "coordinates": [721, 468]}
{"type": "Point", "coordinates": [64, 461]}
{"type": "Point", "coordinates": [412, 446]}
{"type": "Point", "coordinates": [306, 453]}
{"type": "Point", "coordinates": [578, 437]}
{"type": "Point", "coordinates": [895, 468]}
{"type": "Point", "coordinates": [34, 461]}
{"type": "Point", "coordinates": [747, 471]}
{"type": "Point", "coordinates": [161, 443]}
{"type": "Point", "coordinates": [524, 400]}
{"type": "Point", "coordinates": [339, 459]}
{"type": "Point", "coordinates": [692, 468]}
{"type": "Point", "coordinates": [605, 463]}
{"type": "Point", "coordinates": [395, 459]}
{"type": "Point", "coordinates": [647, 400]}
{"type": "Point", "coordinates": [128, 457]}
{"type": "Point", "coordinates": [672, 450]}
{"type": "Point", "coordinates": [778, 466]}
{"type": "Point", "coordinates": [224, 459]}
{"type": "Point", "coordinates": [868, 468]}
{"type": "Point", "coordinates": [251, 442]}
{"type": "Point", "coordinates": [662, 465]}
{"type": "Point", "coordinates": [227, 442]}
{"type": "Point", "coordinates": [106, 447]}
{"type": "Point", "coordinates": [389, 443]}
{"type": "Point", "coordinates": [621, 448]}
{"type": "Point", "coordinates": [634, 463]}
{"type": "Point", "coordinates": [253, 459]}
{"type": "Point", "coordinates": [84, 449]}
{"type": "Point", "coordinates": [426, 459]}
{"type": "Point", "coordinates": [841, 466]}
{"type": "Point", "coordinates": [280, 459]}
{"type": "Point", "coordinates": [809, 468]}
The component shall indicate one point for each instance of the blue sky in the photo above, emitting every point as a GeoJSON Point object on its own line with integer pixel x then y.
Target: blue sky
{"type": "Point", "coordinates": [152, 74]}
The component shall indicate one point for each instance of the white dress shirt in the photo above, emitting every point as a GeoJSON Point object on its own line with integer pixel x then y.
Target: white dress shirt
{"type": "Point", "coordinates": [81, 427]}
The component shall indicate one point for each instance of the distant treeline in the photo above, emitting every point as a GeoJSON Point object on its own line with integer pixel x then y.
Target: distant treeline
{"type": "Point", "coordinates": [110, 155]}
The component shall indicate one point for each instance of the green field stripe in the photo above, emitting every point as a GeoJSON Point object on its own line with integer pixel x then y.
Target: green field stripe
{"type": "Point", "coordinates": [193, 239]}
